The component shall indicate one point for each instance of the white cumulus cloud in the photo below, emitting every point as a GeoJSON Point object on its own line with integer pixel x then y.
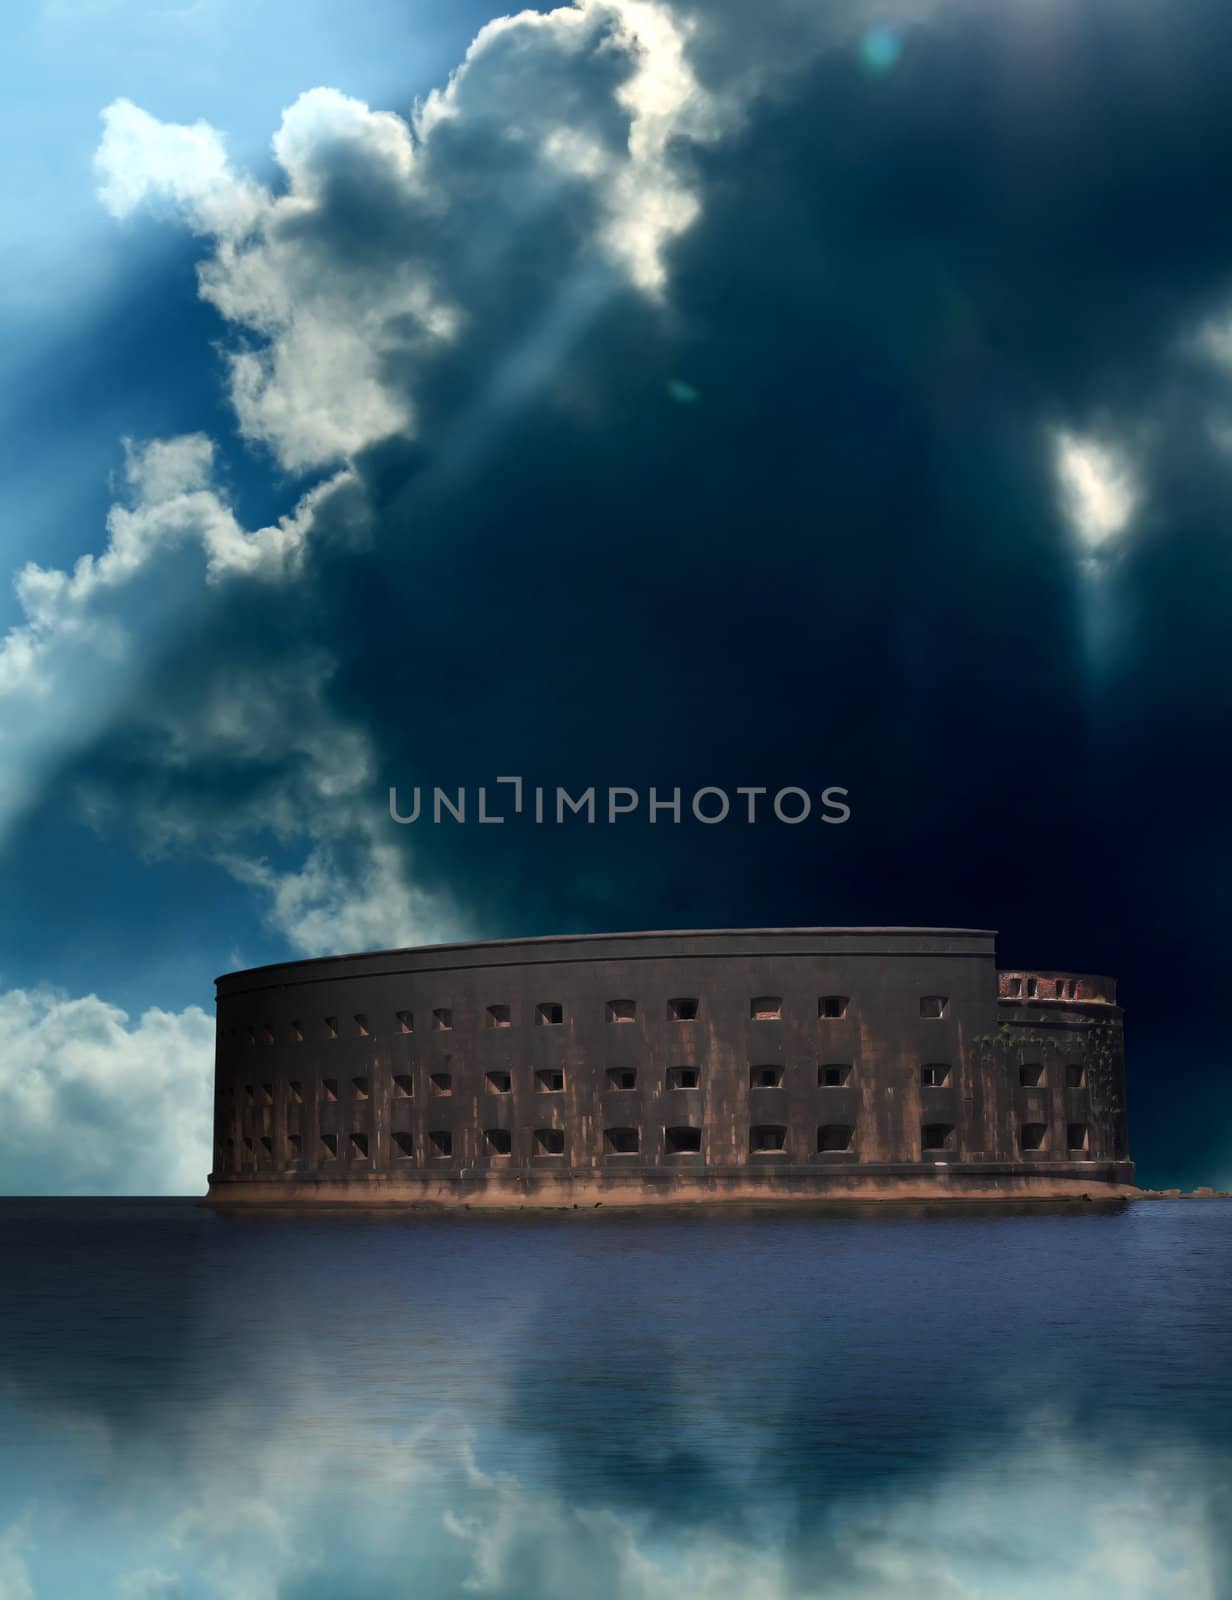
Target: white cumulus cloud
{"type": "Point", "coordinates": [88, 635]}
{"type": "Point", "coordinates": [346, 278]}
{"type": "Point", "coordinates": [140, 158]}
{"type": "Point", "coordinates": [95, 1102]}
{"type": "Point", "coordinates": [81, 663]}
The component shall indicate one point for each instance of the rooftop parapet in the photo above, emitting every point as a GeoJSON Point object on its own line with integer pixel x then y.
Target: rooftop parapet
{"type": "Point", "coordinates": [1033, 985]}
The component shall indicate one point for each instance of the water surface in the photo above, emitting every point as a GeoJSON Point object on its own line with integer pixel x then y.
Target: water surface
{"type": "Point", "coordinates": [735, 1404]}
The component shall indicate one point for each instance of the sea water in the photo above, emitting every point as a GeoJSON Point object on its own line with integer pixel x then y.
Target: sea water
{"type": "Point", "coordinates": [731, 1405]}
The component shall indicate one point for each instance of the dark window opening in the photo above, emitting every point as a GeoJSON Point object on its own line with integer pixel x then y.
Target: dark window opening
{"type": "Point", "coordinates": [682, 1010]}
{"type": "Point", "coordinates": [937, 1136]}
{"type": "Point", "coordinates": [440, 1142]}
{"type": "Point", "coordinates": [406, 1021]}
{"type": "Point", "coordinates": [404, 1086]}
{"type": "Point", "coordinates": [442, 1018]}
{"type": "Point", "coordinates": [1031, 1076]}
{"type": "Point", "coordinates": [499, 1082]}
{"type": "Point", "coordinates": [252, 1034]}
{"type": "Point", "coordinates": [250, 1089]}
{"type": "Point", "coordinates": [360, 1086]}
{"type": "Point", "coordinates": [404, 1144]}
{"type": "Point", "coordinates": [359, 1144]}
{"type": "Point", "coordinates": [549, 1142]}
{"type": "Point", "coordinates": [766, 1008]}
{"type": "Point", "coordinates": [297, 1029]}
{"type": "Point", "coordinates": [331, 1027]}
{"type": "Point", "coordinates": [268, 1033]}
{"type": "Point", "coordinates": [933, 1005]}
{"type": "Point", "coordinates": [361, 1023]}
{"type": "Point", "coordinates": [267, 1093]}
{"type": "Point", "coordinates": [1032, 988]}
{"type": "Point", "coordinates": [1075, 1075]}
{"type": "Point", "coordinates": [499, 1017]}
{"type": "Point", "coordinates": [682, 1078]}
{"type": "Point", "coordinates": [831, 1006]}
{"type": "Point", "coordinates": [833, 1077]}
{"type": "Point", "coordinates": [767, 1138]}
{"type": "Point", "coordinates": [765, 1077]}
{"type": "Point", "coordinates": [834, 1136]}
{"type": "Point", "coordinates": [442, 1083]}
{"type": "Point", "coordinates": [1033, 1135]}
{"type": "Point", "coordinates": [550, 1014]}
{"type": "Point", "coordinates": [934, 1075]}
{"type": "Point", "coordinates": [267, 1144]}
{"type": "Point", "coordinates": [1075, 1135]}
{"type": "Point", "coordinates": [297, 1091]}
{"type": "Point", "coordinates": [621, 1141]}
{"type": "Point", "coordinates": [682, 1141]}
{"type": "Point", "coordinates": [499, 1141]}
{"type": "Point", "coordinates": [622, 1078]}
{"type": "Point", "coordinates": [550, 1081]}
{"type": "Point", "coordinates": [248, 1143]}
{"type": "Point", "coordinates": [329, 1145]}
{"type": "Point", "coordinates": [295, 1144]}
{"type": "Point", "coordinates": [621, 1010]}
{"type": "Point", "coordinates": [329, 1088]}
{"type": "Point", "coordinates": [1014, 988]}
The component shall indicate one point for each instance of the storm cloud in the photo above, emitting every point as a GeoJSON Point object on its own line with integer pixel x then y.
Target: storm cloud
{"type": "Point", "coordinates": [665, 402]}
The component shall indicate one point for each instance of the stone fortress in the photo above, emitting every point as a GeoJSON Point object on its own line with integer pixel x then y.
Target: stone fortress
{"type": "Point", "coordinates": [780, 1064]}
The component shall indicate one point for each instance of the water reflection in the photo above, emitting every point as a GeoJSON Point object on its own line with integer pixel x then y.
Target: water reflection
{"type": "Point", "coordinates": [741, 1405]}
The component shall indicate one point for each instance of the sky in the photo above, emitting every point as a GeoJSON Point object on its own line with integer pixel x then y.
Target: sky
{"type": "Point", "coordinates": [631, 393]}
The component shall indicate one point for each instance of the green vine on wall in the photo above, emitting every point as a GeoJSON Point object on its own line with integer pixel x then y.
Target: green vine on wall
{"type": "Point", "coordinates": [1099, 1046]}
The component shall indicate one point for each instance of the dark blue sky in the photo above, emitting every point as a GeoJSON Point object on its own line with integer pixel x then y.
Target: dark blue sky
{"type": "Point", "coordinates": [680, 398]}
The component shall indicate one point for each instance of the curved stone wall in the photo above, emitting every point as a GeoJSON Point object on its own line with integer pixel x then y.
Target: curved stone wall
{"type": "Point", "coordinates": [643, 1068]}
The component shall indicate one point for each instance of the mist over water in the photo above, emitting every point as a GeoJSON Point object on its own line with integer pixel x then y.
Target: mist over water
{"type": "Point", "coordinates": [747, 1404]}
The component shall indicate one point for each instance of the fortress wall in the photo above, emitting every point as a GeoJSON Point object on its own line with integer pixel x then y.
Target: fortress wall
{"type": "Point", "coordinates": [686, 1065]}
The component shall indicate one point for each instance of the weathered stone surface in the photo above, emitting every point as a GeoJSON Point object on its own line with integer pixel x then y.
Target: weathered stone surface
{"type": "Point", "coordinates": [647, 1069]}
